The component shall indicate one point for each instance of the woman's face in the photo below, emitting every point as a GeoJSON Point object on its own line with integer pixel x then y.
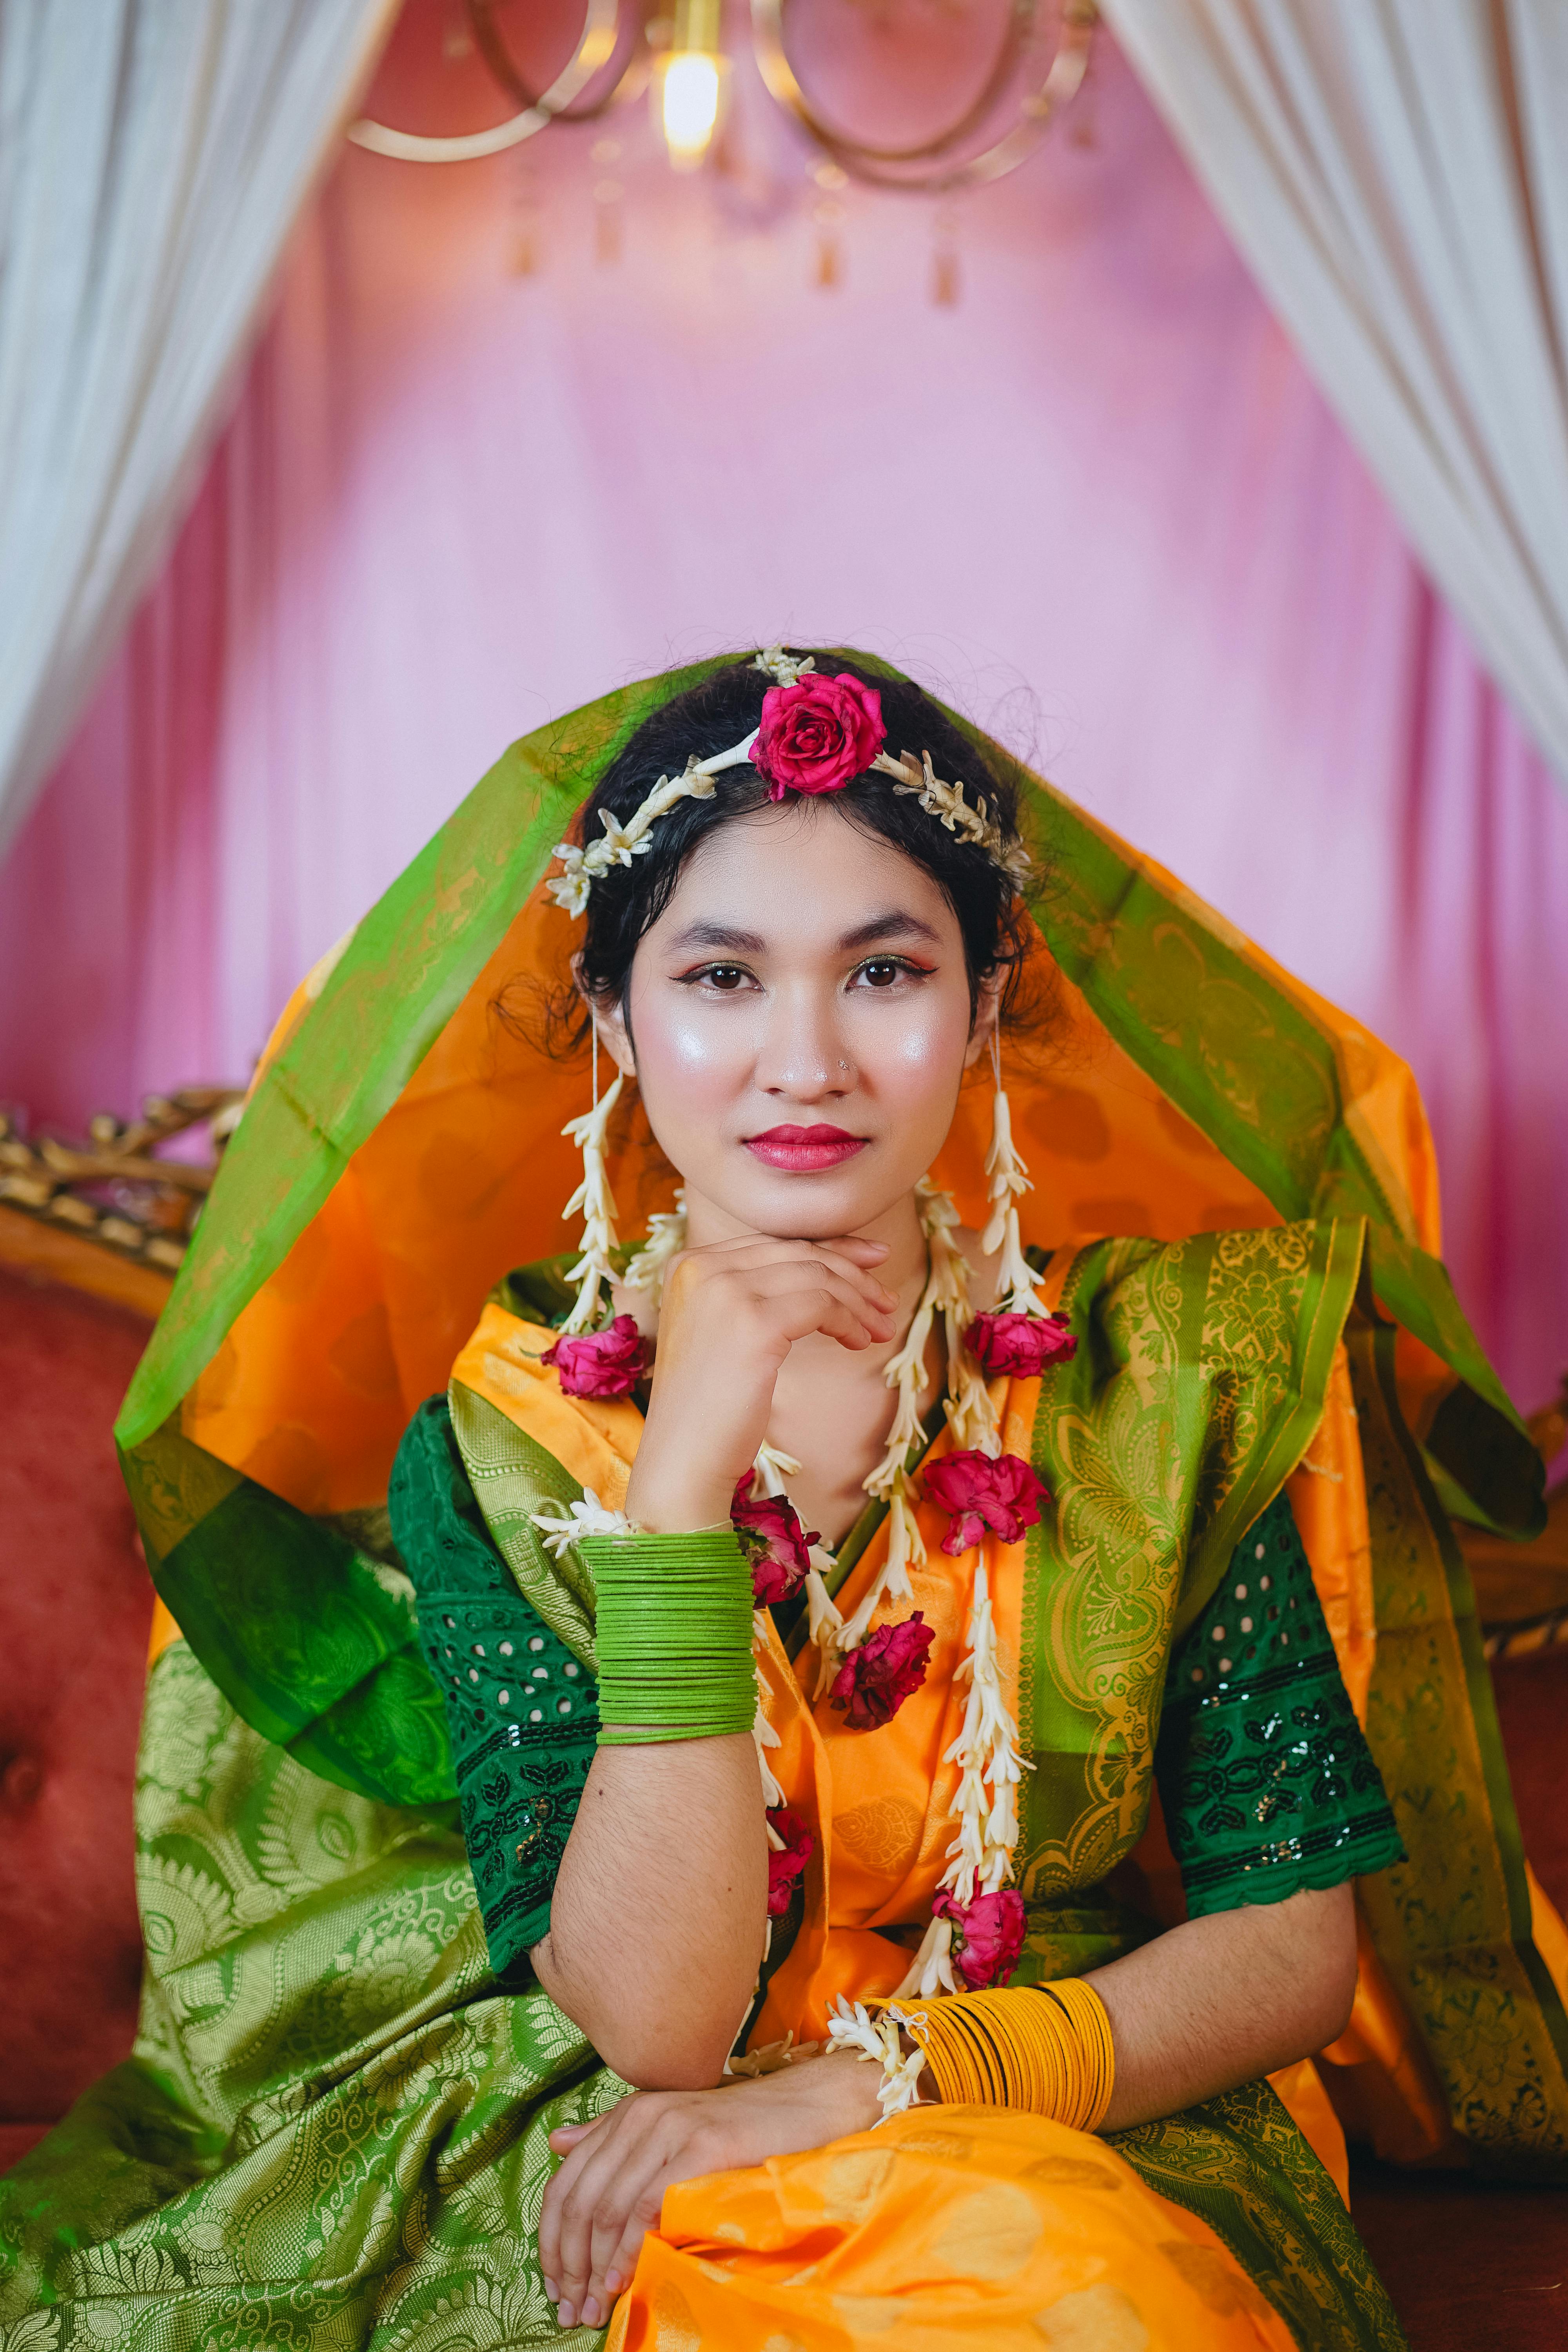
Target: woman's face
{"type": "Point", "coordinates": [800, 1019]}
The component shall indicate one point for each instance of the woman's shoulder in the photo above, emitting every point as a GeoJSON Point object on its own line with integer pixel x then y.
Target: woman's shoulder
{"type": "Point", "coordinates": [509, 1404]}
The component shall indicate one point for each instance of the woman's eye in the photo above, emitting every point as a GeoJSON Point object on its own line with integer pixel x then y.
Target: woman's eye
{"type": "Point", "coordinates": [725, 977]}
{"type": "Point", "coordinates": [884, 971]}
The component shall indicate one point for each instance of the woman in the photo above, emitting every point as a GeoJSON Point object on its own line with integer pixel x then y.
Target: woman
{"type": "Point", "coordinates": [727, 1790]}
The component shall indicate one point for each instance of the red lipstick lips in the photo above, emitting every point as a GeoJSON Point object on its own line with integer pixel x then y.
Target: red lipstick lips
{"type": "Point", "coordinates": [804, 1151]}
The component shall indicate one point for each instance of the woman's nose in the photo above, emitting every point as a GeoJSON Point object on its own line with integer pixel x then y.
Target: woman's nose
{"type": "Point", "coordinates": [804, 1056]}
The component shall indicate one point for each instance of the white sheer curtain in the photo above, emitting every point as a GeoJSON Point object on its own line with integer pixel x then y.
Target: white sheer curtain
{"type": "Point", "coordinates": [154, 155]}
{"type": "Point", "coordinates": [1396, 172]}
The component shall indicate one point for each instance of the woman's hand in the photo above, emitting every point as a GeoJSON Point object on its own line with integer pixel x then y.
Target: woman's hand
{"type": "Point", "coordinates": [730, 1314]}
{"type": "Point", "coordinates": [607, 2194]}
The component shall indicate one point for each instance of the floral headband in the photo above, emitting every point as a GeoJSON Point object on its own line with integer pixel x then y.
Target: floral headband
{"type": "Point", "coordinates": [815, 735]}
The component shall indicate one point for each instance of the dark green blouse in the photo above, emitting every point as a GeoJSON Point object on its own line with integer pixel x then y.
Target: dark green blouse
{"type": "Point", "coordinates": [1265, 1776]}
{"type": "Point", "coordinates": [522, 1715]}
{"type": "Point", "coordinates": [1267, 1782]}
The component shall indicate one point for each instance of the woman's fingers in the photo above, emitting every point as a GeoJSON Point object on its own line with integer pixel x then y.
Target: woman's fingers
{"type": "Point", "coordinates": [867, 1252]}
{"type": "Point", "coordinates": [642, 2215]}
{"type": "Point", "coordinates": [566, 2135]}
{"type": "Point", "coordinates": [802, 1303]}
{"type": "Point", "coordinates": [598, 2168]}
{"type": "Point", "coordinates": [584, 2138]}
{"type": "Point", "coordinates": [690, 2145]}
{"type": "Point", "coordinates": [785, 1281]}
{"type": "Point", "coordinates": [839, 1322]}
{"type": "Point", "coordinates": [731, 1261]}
{"type": "Point", "coordinates": [556, 2189]}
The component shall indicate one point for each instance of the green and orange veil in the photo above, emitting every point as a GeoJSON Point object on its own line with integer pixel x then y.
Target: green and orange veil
{"type": "Point", "coordinates": [402, 1147]}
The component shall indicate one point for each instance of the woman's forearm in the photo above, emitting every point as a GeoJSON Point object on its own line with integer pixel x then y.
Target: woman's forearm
{"type": "Point", "coordinates": [656, 1920]}
{"type": "Point", "coordinates": [1221, 2000]}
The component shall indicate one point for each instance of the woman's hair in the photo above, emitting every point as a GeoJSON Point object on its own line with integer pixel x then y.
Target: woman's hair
{"type": "Point", "coordinates": [721, 711]}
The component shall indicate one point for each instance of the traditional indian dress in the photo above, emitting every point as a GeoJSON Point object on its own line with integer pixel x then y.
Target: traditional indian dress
{"type": "Point", "coordinates": [372, 1704]}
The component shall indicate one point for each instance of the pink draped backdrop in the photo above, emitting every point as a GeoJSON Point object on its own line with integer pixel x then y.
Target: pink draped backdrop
{"type": "Point", "coordinates": [1099, 503]}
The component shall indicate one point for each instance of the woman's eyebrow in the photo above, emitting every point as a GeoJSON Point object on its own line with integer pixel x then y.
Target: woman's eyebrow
{"type": "Point", "coordinates": [717, 935]}
{"type": "Point", "coordinates": [725, 939]}
{"type": "Point", "coordinates": [897, 926]}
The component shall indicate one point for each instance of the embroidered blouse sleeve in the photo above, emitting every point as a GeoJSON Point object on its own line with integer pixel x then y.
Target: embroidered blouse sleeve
{"type": "Point", "coordinates": [1266, 1778]}
{"type": "Point", "coordinates": [522, 1714]}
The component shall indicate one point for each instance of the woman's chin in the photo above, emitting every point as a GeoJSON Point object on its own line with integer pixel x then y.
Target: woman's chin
{"type": "Point", "coordinates": [808, 1205]}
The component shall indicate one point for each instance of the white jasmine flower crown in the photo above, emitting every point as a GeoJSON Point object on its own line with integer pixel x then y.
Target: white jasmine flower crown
{"type": "Point", "coordinates": [815, 735]}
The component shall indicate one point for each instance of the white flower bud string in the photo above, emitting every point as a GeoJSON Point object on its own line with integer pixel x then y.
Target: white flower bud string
{"type": "Point", "coordinates": [1016, 1291]}
{"type": "Point", "coordinates": [946, 802]}
{"type": "Point", "coordinates": [969, 1410]}
{"type": "Point", "coordinates": [595, 1200]}
{"type": "Point", "coordinates": [569, 1521]}
{"type": "Point", "coordinates": [851, 2027]}
{"type": "Point", "coordinates": [619, 843]}
{"type": "Point", "coordinates": [666, 1240]}
{"type": "Point", "coordinates": [986, 1803]}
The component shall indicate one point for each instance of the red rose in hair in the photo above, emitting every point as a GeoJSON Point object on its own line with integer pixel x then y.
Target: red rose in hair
{"type": "Point", "coordinates": [785, 1867]}
{"type": "Point", "coordinates": [607, 1363]}
{"type": "Point", "coordinates": [779, 1548]}
{"type": "Point", "coordinates": [1003, 1494]}
{"type": "Point", "coordinates": [875, 1679]}
{"type": "Point", "coordinates": [1020, 1345]}
{"type": "Point", "coordinates": [987, 1934]}
{"type": "Point", "coordinates": [818, 734]}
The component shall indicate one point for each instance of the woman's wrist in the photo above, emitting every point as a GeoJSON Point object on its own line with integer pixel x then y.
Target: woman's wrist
{"type": "Point", "coordinates": [848, 2088]}
{"type": "Point", "coordinates": [678, 1507]}
{"type": "Point", "coordinates": [669, 1492]}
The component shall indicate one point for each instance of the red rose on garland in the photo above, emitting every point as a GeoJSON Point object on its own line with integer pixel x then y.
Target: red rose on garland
{"type": "Point", "coordinates": [780, 1549]}
{"type": "Point", "coordinates": [987, 1934]}
{"type": "Point", "coordinates": [607, 1363]}
{"type": "Point", "coordinates": [786, 1866]}
{"type": "Point", "coordinates": [1019, 1345]}
{"type": "Point", "coordinates": [818, 734]}
{"type": "Point", "coordinates": [874, 1680]}
{"type": "Point", "coordinates": [1003, 1494]}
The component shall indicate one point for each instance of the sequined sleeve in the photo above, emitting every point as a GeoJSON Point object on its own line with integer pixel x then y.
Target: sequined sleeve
{"type": "Point", "coordinates": [1265, 1776]}
{"type": "Point", "coordinates": [522, 1714]}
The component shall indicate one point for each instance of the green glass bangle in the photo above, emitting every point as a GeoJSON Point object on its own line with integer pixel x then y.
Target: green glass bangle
{"type": "Point", "coordinates": [672, 1636]}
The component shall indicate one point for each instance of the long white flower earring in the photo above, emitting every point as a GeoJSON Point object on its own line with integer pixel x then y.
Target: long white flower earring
{"type": "Point", "coordinates": [595, 1200]}
{"type": "Point", "coordinates": [1016, 1291]}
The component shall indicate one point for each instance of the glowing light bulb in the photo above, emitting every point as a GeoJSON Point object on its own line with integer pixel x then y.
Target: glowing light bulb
{"type": "Point", "coordinates": [690, 106]}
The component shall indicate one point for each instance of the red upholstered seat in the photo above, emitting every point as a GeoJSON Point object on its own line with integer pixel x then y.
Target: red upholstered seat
{"type": "Point", "coordinates": [75, 1606]}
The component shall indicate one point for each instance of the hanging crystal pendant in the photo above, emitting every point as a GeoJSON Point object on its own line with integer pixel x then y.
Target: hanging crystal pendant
{"type": "Point", "coordinates": [609, 213]}
{"type": "Point", "coordinates": [828, 218]}
{"type": "Point", "coordinates": [946, 274]}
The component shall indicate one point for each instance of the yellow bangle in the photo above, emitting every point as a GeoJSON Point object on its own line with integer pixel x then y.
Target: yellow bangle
{"type": "Point", "coordinates": [1046, 2050]}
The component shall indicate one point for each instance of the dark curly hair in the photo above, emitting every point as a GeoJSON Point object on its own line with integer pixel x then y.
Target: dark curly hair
{"type": "Point", "coordinates": [720, 711]}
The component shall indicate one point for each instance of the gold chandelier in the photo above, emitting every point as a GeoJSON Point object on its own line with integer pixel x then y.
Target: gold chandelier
{"type": "Point", "coordinates": [627, 47]}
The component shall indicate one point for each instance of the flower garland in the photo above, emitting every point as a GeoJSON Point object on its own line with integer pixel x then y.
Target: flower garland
{"type": "Point", "coordinates": [947, 805]}
{"type": "Point", "coordinates": [976, 1920]}
{"type": "Point", "coordinates": [814, 734]}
